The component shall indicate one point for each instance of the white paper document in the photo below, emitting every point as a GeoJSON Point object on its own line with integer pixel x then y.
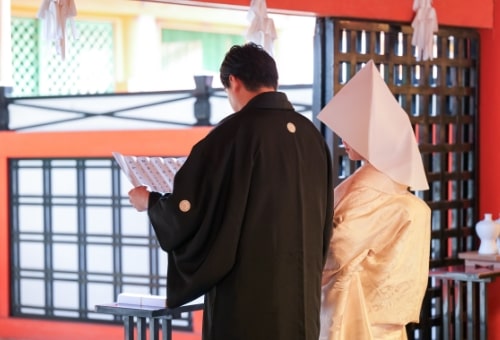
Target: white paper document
{"type": "Point", "coordinates": [143, 299]}
{"type": "Point", "coordinates": [157, 173]}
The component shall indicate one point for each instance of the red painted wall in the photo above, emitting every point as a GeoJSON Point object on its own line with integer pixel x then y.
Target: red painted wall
{"type": "Point", "coordinates": [489, 156]}
{"type": "Point", "coordinates": [83, 144]}
{"type": "Point", "coordinates": [465, 13]}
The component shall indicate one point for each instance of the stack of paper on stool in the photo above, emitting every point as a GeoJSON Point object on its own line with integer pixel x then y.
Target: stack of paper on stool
{"type": "Point", "coordinates": [143, 299]}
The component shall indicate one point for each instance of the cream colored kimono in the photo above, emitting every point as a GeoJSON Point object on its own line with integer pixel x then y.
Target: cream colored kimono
{"type": "Point", "coordinates": [376, 273]}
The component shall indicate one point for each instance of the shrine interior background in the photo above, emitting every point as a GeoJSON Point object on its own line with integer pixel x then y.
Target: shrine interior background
{"type": "Point", "coordinates": [71, 238]}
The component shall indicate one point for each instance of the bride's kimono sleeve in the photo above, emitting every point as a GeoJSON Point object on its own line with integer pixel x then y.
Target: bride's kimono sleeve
{"type": "Point", "coordinates": [199, 223]}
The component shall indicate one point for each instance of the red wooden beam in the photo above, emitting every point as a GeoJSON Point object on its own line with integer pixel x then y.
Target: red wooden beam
{"type": "Point", "coordinates": [462, 13]}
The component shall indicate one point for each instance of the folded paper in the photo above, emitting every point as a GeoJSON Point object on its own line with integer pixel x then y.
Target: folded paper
{"type": "Point", "coordinates": [142, 299]}
{"type": "Point", "coordinates": [261, 30]}
{"type": "Point", "coordinates": [424, 25]}
{"type": "Point", "coordinates": [55, 14]}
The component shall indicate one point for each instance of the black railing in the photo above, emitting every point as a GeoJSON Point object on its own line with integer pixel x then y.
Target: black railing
{"type": "Point", "coordinates": [185, 108]}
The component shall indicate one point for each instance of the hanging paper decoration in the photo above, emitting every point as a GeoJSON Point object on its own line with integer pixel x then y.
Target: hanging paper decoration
{"type": "Point", "coordinates": [424, 25]}
{"type": "Point", "coordinates": [261, 30]}
{"type": "Point", "coordinates": [54, 15]}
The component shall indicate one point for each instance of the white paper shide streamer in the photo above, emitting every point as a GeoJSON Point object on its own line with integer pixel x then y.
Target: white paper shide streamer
{"type": "Point", "coordinates": [55, 14]}
{"type": "Point", "coordinates": [424, 24]}
{"type": "Point", "coordinates": [261, 30]}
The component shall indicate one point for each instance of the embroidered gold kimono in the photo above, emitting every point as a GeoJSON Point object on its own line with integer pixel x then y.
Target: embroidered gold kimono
{"type": "Point", "coordinates": [376, 273]}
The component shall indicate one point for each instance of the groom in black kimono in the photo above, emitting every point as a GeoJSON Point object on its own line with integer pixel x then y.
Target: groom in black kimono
{"type": "Point", "coordinates": [249, 220]}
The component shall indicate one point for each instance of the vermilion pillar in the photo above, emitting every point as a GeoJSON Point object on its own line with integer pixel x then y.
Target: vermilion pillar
{"type": "Point", "coordinates": [488, 136]}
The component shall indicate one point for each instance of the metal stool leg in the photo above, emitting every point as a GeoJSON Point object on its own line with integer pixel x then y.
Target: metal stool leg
{"type": "Point", "coordinates": [141, 328]}
{"type": "Point", "coordinates": [483, 310]}
{"type": "Point", "coordinates": [153, 329]}
{"type": "Point", "coordinates": [471, 315]}
{"type": "Point", "coordinates": [446, 309]}
{"type": "Point", "coordinates": [458, 310]}
{"type": "Point", "coordinates": [166, 328]}
{"type": "Point", "coordinates": [128, 322]}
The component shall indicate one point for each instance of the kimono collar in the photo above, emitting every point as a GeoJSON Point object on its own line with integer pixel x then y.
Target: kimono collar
{"type": "Point", "coordinates": [367, 176]}
{"type": "Point", "coordinates": [269, 100]}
